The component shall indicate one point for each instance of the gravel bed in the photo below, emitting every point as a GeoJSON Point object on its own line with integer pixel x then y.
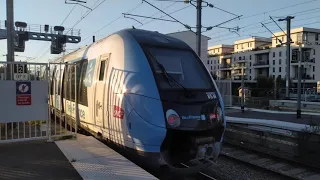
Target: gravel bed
{"type": "Point", "coordinates": [230, 169]}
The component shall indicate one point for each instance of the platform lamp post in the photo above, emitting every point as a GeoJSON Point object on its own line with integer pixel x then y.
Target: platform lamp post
{"type": "Point", "coordinates": [242, 90]}
{"type": "Point", "coordinates": [299, 83]}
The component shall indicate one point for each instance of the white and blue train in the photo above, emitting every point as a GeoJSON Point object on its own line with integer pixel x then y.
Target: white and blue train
{"type": "Point", "coordinates": [147, 92]}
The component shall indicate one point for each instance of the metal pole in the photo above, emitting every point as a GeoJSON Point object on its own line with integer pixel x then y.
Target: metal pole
{"type": "Point", "coordinates": [10, 36]}
{"type": "Point", "coordinates": [242, 91]}
{"type": "Point", "coordinates": [288, 43]}
{"type": "Point", "coordinates": [299, 84]}
{"type": "Point", "coordinates": [275, 88]}
{"type": "Point", "coordinates": [199, 4]}
{"type": "Point", "coordinates": [93, 38]}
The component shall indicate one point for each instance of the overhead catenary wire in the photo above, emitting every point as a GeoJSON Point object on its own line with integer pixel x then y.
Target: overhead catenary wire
{"type": "Point", "coordinates": [273, 10]}
{"type": "Point", "coordinates": [173, 12]}
{"type": "Point", "coordinates": [113, 21]}
{"type": "Point", "coordinates": [256, 24]}
{"type": "Point", "coordinates": [82, 17]}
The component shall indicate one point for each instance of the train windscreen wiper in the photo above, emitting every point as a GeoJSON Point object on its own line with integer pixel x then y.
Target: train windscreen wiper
{"type": "Point", "coordinates": [168, 77]}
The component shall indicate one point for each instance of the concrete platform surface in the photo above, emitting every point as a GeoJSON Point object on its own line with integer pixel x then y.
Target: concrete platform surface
{"type": "Point", "coordinates": [35, 160]}
{"type": "Point", "coordinates": [94, 160]}
{"type": "Point", "coordinates": [305, 119]}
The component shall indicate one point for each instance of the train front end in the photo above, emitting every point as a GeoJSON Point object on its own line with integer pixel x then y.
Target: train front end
{"type": "Point", "coordinates": [192, 106]}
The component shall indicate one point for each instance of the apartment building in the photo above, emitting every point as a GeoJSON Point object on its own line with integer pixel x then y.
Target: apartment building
{"type": "Point", "coordinates": [190, 38]}
{"type": "Point", "coordinates": [259, 56]}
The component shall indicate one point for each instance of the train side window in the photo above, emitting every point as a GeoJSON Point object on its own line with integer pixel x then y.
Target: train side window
{"type": "Point", "coordinates": [72, 83]}
{"type": "Point", "coordinates": [67, 82]}
{"type": "Point", "coordinates": [57, 81]}
{"type": "Point", "coordinates": [102, 69]}
{"type": "Point", "coordinates": [83, 99]}
{"type": "Point", "coordinates": [52, 78]}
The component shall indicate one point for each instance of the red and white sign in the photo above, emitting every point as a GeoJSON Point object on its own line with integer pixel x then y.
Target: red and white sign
{"type": "Point", "coordinates": [23, 100]}
{"type": "Point", "coordinates": [118, 112]}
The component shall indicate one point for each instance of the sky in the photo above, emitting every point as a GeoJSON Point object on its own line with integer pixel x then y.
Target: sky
{"type": "Point", "coordinates": [107, 18]}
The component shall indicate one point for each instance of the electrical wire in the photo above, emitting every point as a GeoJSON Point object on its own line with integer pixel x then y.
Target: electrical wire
{"type": "Point", "coordinates": [273, 10]}
{"type": "Point", "coordinates": [114, 20]}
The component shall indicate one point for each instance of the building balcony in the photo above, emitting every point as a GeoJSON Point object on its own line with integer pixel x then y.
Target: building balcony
{"type": "Point", "coordinates": [226, 78]}
{"type": "Point", "coordinates": [261, 63]}
{"type": "Point", "coordinates": [303, 77]}
{"type": "Point", "coordinates": [237, 78]}
{"type": "Point", "coordinates": [296, 62]}
{"type": "Point", "coordinates": [225, 66]}
{"type": "Point", "coordinates": [239, 66]}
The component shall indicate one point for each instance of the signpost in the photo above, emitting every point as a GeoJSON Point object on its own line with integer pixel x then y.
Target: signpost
{"type": "Point", "coordinates": [23, 93]}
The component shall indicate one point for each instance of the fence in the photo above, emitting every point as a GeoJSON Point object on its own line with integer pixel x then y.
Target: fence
{"type": "Point", "coordinates": [25, 114]}
{"type": "Point", "coordinates": [225, 88]}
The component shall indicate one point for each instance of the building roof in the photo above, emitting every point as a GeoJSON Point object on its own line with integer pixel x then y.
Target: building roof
{"type": "Point", "coordinates": [220, 46]}
{"type": "Point", "coordinates": [299, 29]}
{"type": "Point", "coordinates": [256, 39]}
{"type": "Point", "coordinates": [187, 31]}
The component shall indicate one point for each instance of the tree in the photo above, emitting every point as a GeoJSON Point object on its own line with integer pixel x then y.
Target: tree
{"type": "Point", "coordinates": [214, 76]}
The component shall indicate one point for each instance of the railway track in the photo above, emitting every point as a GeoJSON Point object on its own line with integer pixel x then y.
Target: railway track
{"type": "Point", "coordinates": [199, 176]}
{"type": "Point", "coordinates": [277, 165]}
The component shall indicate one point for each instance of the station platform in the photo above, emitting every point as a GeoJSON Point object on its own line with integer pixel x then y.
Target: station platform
{"type": "Point", "coordinates": [96, 161]}
{"type": "Point", "coordinates": [306, 117]}
{"type": "Point", "coordinates": [34, 160]}
{"type": "Point", "coordinates": [73, 159]}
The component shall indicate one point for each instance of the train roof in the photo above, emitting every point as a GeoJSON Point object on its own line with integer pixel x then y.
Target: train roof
{"type": "Point", "coordinates": [144, 37]}
{"type": "Point", "coordinates": [154, 38]}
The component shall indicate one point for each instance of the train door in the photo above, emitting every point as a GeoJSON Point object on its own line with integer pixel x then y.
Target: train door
{"type": "Point", "coordinates": [99, 105]}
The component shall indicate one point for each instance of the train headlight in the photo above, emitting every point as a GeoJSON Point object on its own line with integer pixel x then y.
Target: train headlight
{"type": "Point", "coordinates": [173, 118]}
{"type": "Point", "coordinates": [219, 115]}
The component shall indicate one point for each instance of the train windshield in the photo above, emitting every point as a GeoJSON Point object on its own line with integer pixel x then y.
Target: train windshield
{"type": "Point", "coordinates": [178, 69]}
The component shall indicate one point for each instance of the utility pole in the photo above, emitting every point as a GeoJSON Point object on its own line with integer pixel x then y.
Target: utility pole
{"type": "Point", "coordinates": [93, 38]}
{"type": "Point", "coordinates": [242, 91]}
{"type": "Point", "coordinates": [288, 43]}
{"type": "Point", "coordinates": [199, 9]}
{"type": "Point", "coordinates": [10, 37]}
{"type": "Point", "coordinates": [299, 83]}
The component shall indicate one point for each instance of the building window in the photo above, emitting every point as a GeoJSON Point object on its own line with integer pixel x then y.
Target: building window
{"type": "Point", "coordinates": [211, 67]}
{"type": "Point", "coordinates": [208, 62]}
{"type": "Point", "coordinates": [280, 54]}
{"type": "Point", "coordinates": [279, 76]}
{"type": "Point", "coordinates": [279, 61]}
{"type": "Point", "coordinates": [218, 67]}
{"type": "Point", "coordinates": [273, 76]}
{"type": "Point", "coordinates": [314, 52]}
{"type": "Point", "coordinates": [313, 77]}
{"type": "Point", "coordinates": [313, 68]}
{"type": "Point", "coordinates": [250, 70]}
{"type": "Point", "coordinates": [260, 57]}
{"type": "Point", "coordinates": [279, 69]}
{"type": "Point", "coordinates": [250, 64]}
{"type": "Point", "coordinates": [274, 69]}
{"type": "Point", "coordinates": [274, 54]}
{"type": "Point", "coordinates": [239, 58]}
{"type": "Point", "coordinates": [250, 77]}
{"type": "Point", "coordinates": [250, 57]}
{"type": "Point", "coordinates": [317, 37]}
{"type": "Point", "coordinates": [274, 62]}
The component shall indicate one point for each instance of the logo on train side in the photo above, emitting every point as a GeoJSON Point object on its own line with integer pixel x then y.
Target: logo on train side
{"type": "Point", "coordinates": [118, 112]}
{"type": "Point", "coordinates": [211, 95]}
